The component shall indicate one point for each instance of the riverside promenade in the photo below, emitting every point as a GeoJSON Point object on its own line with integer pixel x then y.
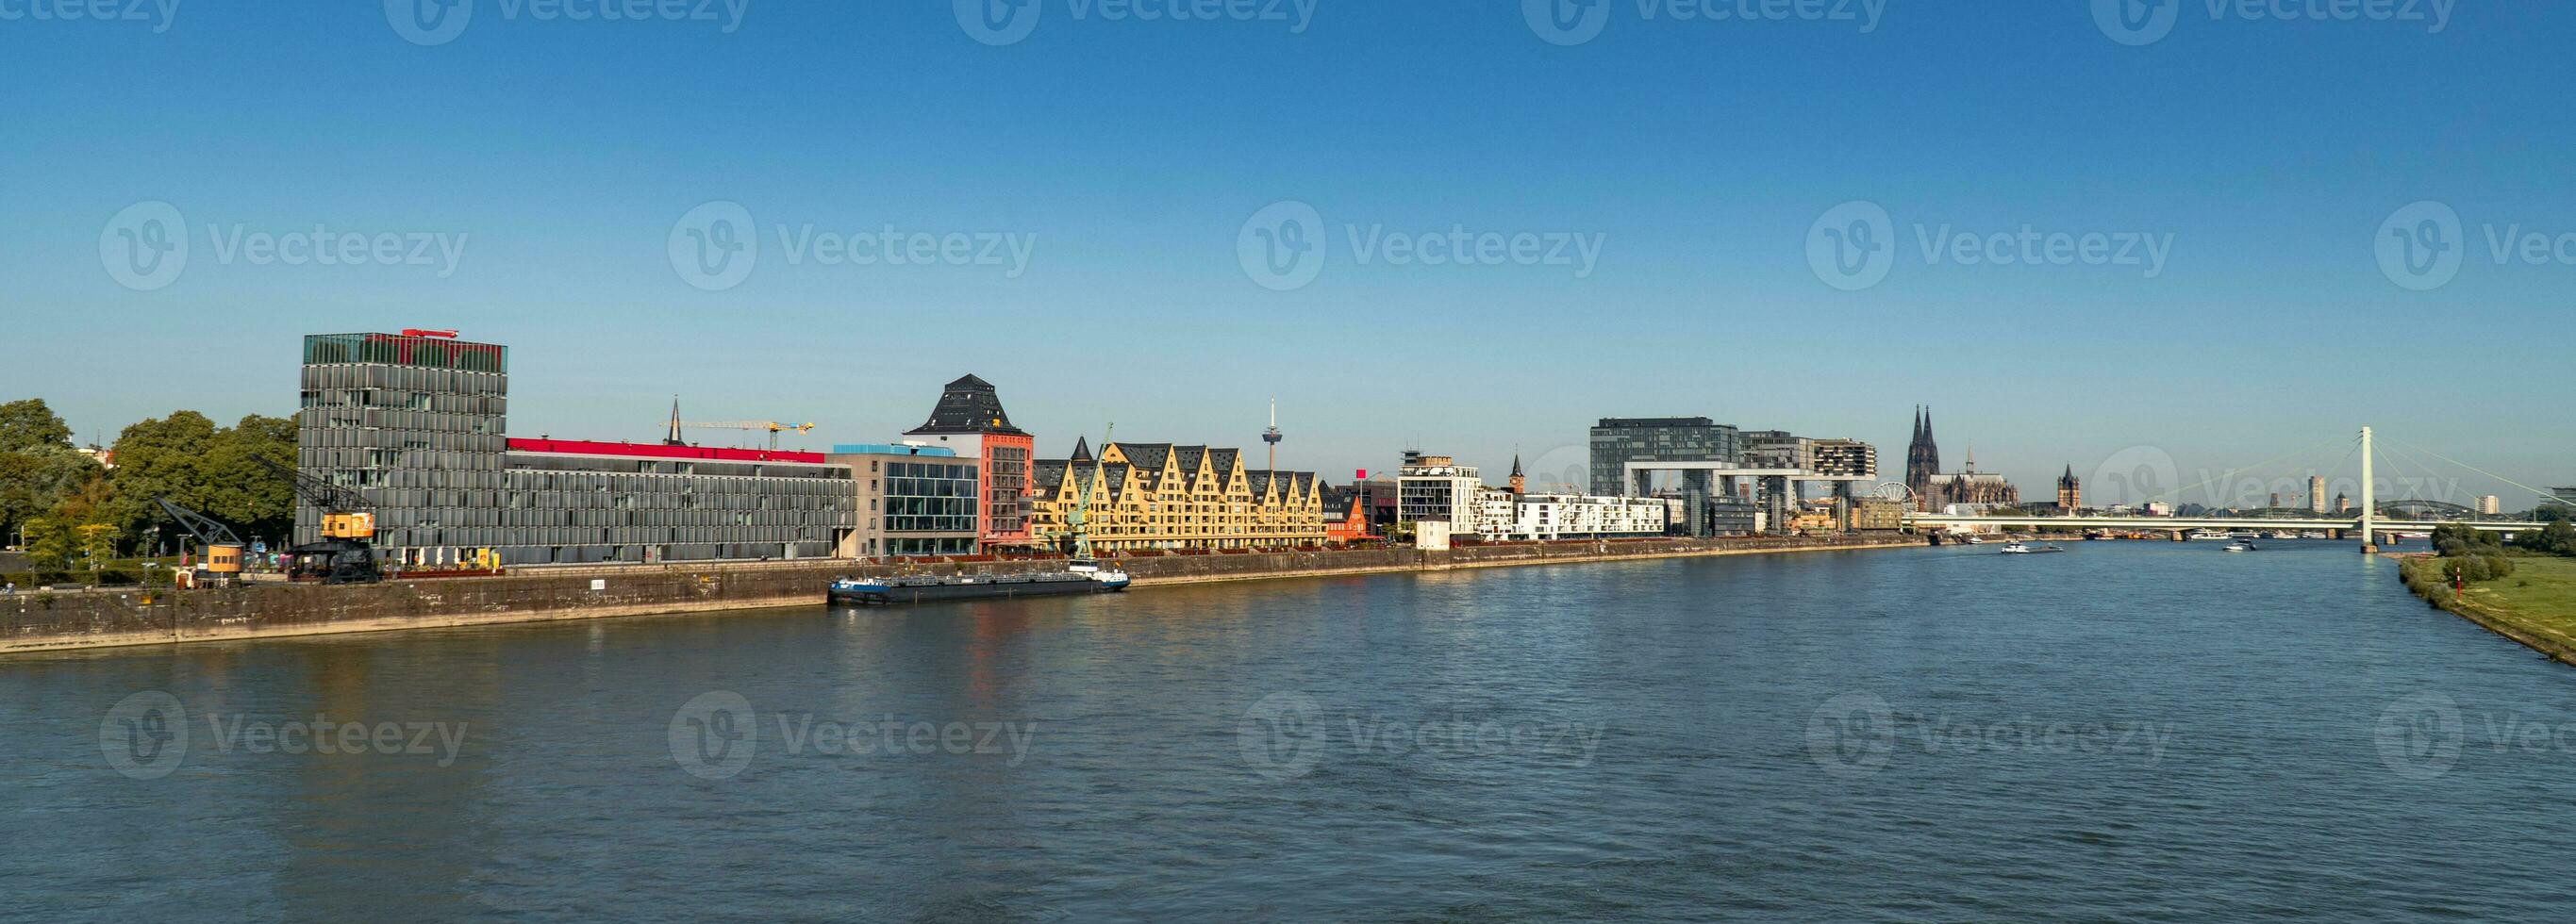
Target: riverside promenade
{"type": "Point", "coordinates": [33, 622]}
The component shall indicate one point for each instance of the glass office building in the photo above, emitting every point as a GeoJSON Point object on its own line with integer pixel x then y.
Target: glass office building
{"type": "Point", "coordinates": [416, 424]}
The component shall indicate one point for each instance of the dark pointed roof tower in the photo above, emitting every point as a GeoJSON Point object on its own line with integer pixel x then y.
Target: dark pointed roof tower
{"type": "Point", "coordinates": [968, 405]}
{"type": "Point", "coordinates": [1081, 449]}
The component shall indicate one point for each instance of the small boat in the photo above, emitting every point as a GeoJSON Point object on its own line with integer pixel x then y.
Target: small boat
{"type": "Point", "coordinates": [1081, 577]}
{"type": "Point", "coordinates": [2284, 534]}
{"type": "Point", "coordinates": [2245, 534]}
{"type": "Point", "coordinates": [2313, 534]}
{"type": "Point", "coordinates": [2240, 546]}
{"type": "Point", "coordinates": [2209, 534]}
{"type": "Point", "coordinates": [2020, 548]}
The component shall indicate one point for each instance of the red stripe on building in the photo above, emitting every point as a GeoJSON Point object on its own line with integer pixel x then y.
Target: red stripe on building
{"type": "Point", "coordinates": [659, 451]}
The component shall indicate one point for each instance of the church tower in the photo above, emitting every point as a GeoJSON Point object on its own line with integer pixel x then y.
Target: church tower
{"type": "Point", "coordinates": [2070, 491]}
{"type": "Point", "coordinates": [1922, 460]}
{"type": "Point", "coordinates": [1517, 482]}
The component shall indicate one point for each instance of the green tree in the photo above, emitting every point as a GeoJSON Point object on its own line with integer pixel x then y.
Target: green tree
{"type": "Point", "coordinates": [51, 545]}
{"type": "Point", "coordinates": [33, 480]}
{"type": "Point", "coordinates": [238, 490]}
{"type": "Point", "coordinates": [29, 424]}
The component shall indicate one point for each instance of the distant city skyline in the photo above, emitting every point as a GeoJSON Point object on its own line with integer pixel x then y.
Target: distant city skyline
{"type": "Point", "coordinates": [1633, 217]}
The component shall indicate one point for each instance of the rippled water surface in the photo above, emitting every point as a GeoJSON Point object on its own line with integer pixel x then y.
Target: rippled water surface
{"type": "Point", "coordinates": [2141, 731]}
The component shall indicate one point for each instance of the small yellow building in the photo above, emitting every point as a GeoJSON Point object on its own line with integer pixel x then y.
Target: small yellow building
{"type": "Point", "coordinates": [1161, 496]}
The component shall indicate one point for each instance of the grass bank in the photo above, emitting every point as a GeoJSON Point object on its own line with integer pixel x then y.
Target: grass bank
{"type": "Point", "coordinates": [2536, 605]}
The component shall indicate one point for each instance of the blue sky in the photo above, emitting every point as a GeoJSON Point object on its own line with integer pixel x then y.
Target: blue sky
{"type": "Point", "coordinates": [557, 160]}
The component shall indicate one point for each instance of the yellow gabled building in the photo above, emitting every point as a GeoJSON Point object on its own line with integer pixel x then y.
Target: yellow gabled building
{"type": "Point", "coordinates": [1161, 496]}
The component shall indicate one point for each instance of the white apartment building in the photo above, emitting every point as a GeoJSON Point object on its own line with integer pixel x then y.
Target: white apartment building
{"type": "Point", "coordinates": [1550, 517]}
{"type": "Point", "coordinates": [1438, 488]}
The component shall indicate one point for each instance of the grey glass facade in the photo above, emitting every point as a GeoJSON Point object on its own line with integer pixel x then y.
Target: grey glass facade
{"type": "Point", "coordinates": [1617, 441]}
{"type": "Point", "coordinates": [418, 426]}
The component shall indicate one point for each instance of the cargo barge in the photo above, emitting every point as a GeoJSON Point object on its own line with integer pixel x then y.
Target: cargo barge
{"type": "Point", "coordinates": [1081, 578]}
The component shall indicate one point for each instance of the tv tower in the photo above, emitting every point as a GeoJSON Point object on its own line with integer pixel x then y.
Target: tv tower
{"type": "Point", "coordinates": [1271, 436]}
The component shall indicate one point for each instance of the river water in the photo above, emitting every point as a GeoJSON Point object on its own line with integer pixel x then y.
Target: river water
{"type": "Point", "coordinates": [2139, 731]}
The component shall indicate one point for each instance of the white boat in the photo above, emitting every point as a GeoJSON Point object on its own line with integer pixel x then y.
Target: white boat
{"type": "Point", "coordinates": [2284, 534]}
{"type": "Point", "coordinates": [2313, 534]}
{"type": "Point", "coordinates": [2245, 534]}
{"type": "Point", "coordinates": [2017, 547]}
{"type": "Point", "coordinates": [2209, 534]}
{"type": "Point", "coordinates": [2240, 546]}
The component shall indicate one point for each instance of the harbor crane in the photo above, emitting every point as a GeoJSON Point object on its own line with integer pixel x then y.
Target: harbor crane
{"type": "Point", "coordinates": [219, 549]}
{"type": "Point", "coordinates": [773, 427]}
{"type": "Point", "coordinates": [1077, 531]}
{"type": "Point", "coordinates": [346, 553]}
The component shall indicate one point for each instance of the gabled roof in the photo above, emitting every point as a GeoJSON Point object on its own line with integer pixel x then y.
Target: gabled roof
{"type": "Point", "coordinates": [1223, 460]}
{"type": "Point", "coordinates": [968, 405]}
{"type": "Point", "coordinates": [1147, 455]}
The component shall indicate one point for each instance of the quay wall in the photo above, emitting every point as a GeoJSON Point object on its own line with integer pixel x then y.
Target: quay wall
{"type": "Point", "coordinates": [96, 619]}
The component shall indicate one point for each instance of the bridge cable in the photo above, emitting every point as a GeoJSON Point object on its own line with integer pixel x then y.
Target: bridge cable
{"type": "Point", "coordinates": [2543, 495]}
{"type": "Point", "coordinates": [2231, 473]}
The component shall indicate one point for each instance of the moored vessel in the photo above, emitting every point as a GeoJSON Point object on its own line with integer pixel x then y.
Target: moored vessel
{"type": "Point", "coordinates": [1082, 577]}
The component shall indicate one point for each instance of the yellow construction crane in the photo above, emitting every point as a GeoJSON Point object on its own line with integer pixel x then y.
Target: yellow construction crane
{"type": "Point", "coordinates": [774, 427]}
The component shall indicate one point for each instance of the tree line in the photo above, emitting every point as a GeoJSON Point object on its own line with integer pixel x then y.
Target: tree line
{"type": "Point", "coordinates": [66, 508]}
